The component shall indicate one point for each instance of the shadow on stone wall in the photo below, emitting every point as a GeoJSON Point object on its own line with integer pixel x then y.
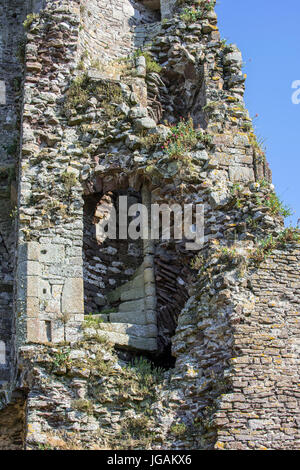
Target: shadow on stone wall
{"type": "Point", "coordinates": [12, 424]}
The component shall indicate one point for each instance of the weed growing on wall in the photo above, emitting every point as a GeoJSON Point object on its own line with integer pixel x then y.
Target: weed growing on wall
{"type": "Point", "coordinates": [82, 89]}
{"type": "Point", "coordinates": [151, 65]}
{"type": "Point", "coordinates": [77, 94]}
{"type": "Point", "coordinates": [30, 19]}
{"type": "Point", "coordinates": [195, 12]}
{"type": "Point", "coordinates": [276, 206]}
{"type": "Point", "coordinates": [183, 138]}
{"type": "Point", "coordinates": [265, 246]}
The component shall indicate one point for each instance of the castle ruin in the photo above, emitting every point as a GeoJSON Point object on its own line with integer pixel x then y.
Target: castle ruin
{"type": "Point", "coordinates": [139, 98]}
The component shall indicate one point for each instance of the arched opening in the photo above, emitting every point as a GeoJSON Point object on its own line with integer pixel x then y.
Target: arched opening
{"type": "Point", "coordinates": [149, 10]}
{"type": "Point", "coordinates": [108, 263]}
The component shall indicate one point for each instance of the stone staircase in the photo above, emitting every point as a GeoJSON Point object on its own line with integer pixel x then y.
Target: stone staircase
{"type": "Point", "coordinates": [133, 326]}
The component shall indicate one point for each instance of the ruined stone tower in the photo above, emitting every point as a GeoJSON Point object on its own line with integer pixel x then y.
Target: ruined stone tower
{"type": "Point", "coordinates": [102, 100]}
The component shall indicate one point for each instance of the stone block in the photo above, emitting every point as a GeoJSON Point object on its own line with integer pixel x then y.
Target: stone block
{"type": "Point", "coordinates": [72, 296]}
{"type": "Point", "coordinates": [241, 174]}
{"type": "Point", "coordinates": [29, 251]}
{"type": "Point", "coordinates": [145, 331]}
{"type": "Point", "coordinates": [52, 254]}
{"type": "Point", "coordinates": [150, 302]}
{"type": "Point", "coordinates": [32, 307]}
{"type": "Point", "coordinates": [151, 317]}
{"type": "Point", "coordinates": [32, 286]}
{"type": "Point", "coordinates": [135, 317]}
{"type": "Point", "coordinates": [130, 342]}
{"type": "Point", "coordinates": [33, 268]}
{"type": "Point", "coordinates": [53, 306]}
{"type": "Point", "coordinates": [133, 305]}
{"type": "Point", "coordinates": [56, 291]}
{"type": "Point", "coordinates": [44, 290]}
{"type": "Point", "coordinates": [149, 275]}
{"type": "Point", "coordinates": [150, 290]}
{"type": "Point", "coordinates": [133, 294]}
{"type": "Point", "coordinates": [114, 295]}
{"type": "Point", "coordinates": [57, 331]}
{"type": "Point", "coordinates": [34, 330]}
{"type": "Point", "coordinates": [73, 331]}
{"type": "Point", "coordinates": [138, 281]}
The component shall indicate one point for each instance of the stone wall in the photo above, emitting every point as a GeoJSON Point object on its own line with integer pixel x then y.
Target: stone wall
{"type": "Point", "coordinates": [223, 318]}
{"type": "Point", "coordinates": [12, 15]}
{"type": "Point", "coordinates": [262, 412]}
{"type": "Point", "coordinates": [111, 30]}
{"type": "Point", "coordinates": [49, 260]}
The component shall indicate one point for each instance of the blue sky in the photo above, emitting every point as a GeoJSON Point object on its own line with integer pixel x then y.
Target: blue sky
{"type": "Point", "coordinates": [268, 34]}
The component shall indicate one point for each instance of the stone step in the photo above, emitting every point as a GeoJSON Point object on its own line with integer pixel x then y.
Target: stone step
{"type": "Point", "coordinates": [136, 285]}
{"type": "Point", "coordinates": [145, 331]}
{"type": "Point", "coordinates": [133, 294]}
{"type": "Point", "coordinates": [135, 317]}
{"type": "Point", "coordinates": [129, 341]}
{"type": "Point", "coordinates": [101, 316]}
{"type": "Point", "coordinates": [132, 305]}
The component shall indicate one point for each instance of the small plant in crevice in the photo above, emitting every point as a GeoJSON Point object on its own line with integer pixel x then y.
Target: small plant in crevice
{"type": "Point", "coordinates": [90, 321]}
{"type": "Point", "coordinates": [61, 358]}
{"type": "Point", "coordinates": [178, 429]}
{"type": "Point", "coordinates": [13, 214]}
{"type": "Point", "coordinates": [147, 373]}
{"type": "Point", "coordinates": [151, 65]}
{"type": "Point", "coordinates": [263, 183]}
{"type": "Point", "coordinates": [236, 192]}
{"type": "Point", "coordinates": [265, 246]}
{"type": "Point", "coordinates": [183, 138]}
{"type": "Point", "coordinates": [263, 249]}
{"type": "Point", "coordinates": [194, 13]}
{"type": "Point", "coordinates": [138, 427]}
{"type": "Point", "coordinates": [224, 43]}
{"type": "Point", "coordinates": [276, 206]}
{"type": "Point", "coordinates": [227, 255]}
{"type": "Point", "coordinates": [289, 234]}
{"type": "Point", "coordinates": [197, 263]}
{"type": "Point", "coordinates": [252, 223]}
{"type": "Point", "coordinates": [77, 94]}
{"type": "Point", "coordinates": [210, 106]}
{"type": "Point", "coordinates": [110, 95]}
{"type": "Point", "coordinates": [30, 19]}
{"type": "Point", "coordinates": [258, 146]}
{"type": "Point", "coordinates": [69, 180]}
{"type": "Point", "coordinates": [150, 141]}
{"type": "Point", "coordinates": [83, 405]}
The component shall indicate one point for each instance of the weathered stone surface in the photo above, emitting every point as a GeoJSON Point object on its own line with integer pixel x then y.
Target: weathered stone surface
{"type": "Point", "coordinates": [241, 174]}
{"type": "Point", "coordinates": [129, 306]}
{"type": "Point", "coordinates": [137, 317]}
{"type": "Point", "coordinates": [142, 331]}
{"type": "Point", "coordinates": [72, 296]}
{"type": "Point", "coordinates": [144, 123]}
{"type": "Point", "coordinates": [224, 320]}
